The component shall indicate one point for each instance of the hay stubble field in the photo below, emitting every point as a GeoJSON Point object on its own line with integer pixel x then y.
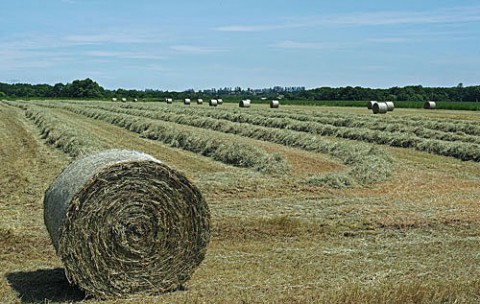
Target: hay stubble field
{"type": "Point", "coordinates": [324, 205]}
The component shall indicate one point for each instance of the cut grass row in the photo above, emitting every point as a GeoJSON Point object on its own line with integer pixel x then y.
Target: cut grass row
{"type": "Point", "coordinates": [63, 135]}
{"type": "Point", "coordinates": [460, 150]}
{"type": "Point", "coordinates": [368, 164]}
{"type": "Point", "coordinates": [219, 147]}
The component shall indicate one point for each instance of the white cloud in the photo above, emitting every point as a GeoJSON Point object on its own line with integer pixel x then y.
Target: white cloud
{"type": "Point", "coordinates": [128, 55]}
{"type": "Point", "coordinates": [193, 49]}
{"type": "Point", "coordinates": [288, 44]}
{"type": "Point", "coordinates": [451, 15]}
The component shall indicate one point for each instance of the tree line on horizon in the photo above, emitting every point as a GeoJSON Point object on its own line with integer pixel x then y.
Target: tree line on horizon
{"type": "Point", "coordinates": [89, 89]}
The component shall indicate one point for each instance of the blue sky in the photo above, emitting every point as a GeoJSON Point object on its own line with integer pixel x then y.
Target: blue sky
{"type": "Point", "coordinates": [178, 45]}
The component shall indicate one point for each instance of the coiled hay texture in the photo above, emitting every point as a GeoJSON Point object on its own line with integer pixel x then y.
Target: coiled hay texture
{"type": "Point", "coordinates": [379, 108]}
{"type": "Point", "coordinates": [123, 223]}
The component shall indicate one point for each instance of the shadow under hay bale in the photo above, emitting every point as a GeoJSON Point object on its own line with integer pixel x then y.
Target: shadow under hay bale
{"type": "Point", "coordinates": [124, 223]}
{"type": "Point", "coordinates": [44, 286]}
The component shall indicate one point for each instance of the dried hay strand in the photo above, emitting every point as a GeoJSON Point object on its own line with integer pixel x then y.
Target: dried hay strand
{"type": "Point", "coordinates": [123, 223]}
{"type": "Point", "coordinates": [379, 108]}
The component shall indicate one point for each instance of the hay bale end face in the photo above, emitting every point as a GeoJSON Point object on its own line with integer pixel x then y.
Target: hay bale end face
{"type": "Point", "coordinates": [379, 108]}
{"type": "Point", "coordinates": [244, 103]}
{"type": "Point", "coordinates": [390, 105]}
{"type": "Point", "coordinates": [371, 103]}
{"type": "Point", "coordinates": [274, 104]}
{"type": "Point", "coordinates": [124, 223]}
{"type": "Point", "coordinates": [429, 105]}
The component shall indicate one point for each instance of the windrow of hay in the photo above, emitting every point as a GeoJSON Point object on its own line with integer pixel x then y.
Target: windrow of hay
{"type": "Point", "coordinates": [447, 146]}
{"type": "Point", "coordinates": [354, 155]}
{"type": "Point", "coordinates": [216, 146]}
{"type": "Point", "coordinates": [123, 222]}
{"type": "Point", "coordinates": [62, 134]}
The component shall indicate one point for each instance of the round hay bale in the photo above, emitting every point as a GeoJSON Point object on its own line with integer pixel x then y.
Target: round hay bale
{"type": "Point", "coordinates": [135, 99]}
{"type": "Point", "coordinates": [274, 104]}
{"type": "Point", "coordinates": [114, 99]}
{"type": "Point", "coordinates": [245, 103]}
{"type": "Point", "coordinates": [186, 101]}
{"type": "Point", "coordinates": [199, 101]}
{"type": "Point", "coordinates": [371, 103]}
{"type": "Point", "coordinates": [124, 99]}
{"type": "Point", "coordinates": [430, 105]}
{"type": "Point", "coordinates": [219, 101]}
{"type": "Point", "coordinates": [169, 100]}
{"type": "Point", "coordinates": [379, 108]}
{"type": "Point", "coordinates": [123, 223]}
{"type": "Point", "coordinates": [213, 102]}
{"type": "Point", "coordinates": [390, 106]}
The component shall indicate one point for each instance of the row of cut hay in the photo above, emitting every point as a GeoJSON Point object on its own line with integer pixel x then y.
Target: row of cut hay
{"type": "Point", "coordinates": [356, 155]}
{"type": "Point", "coordinates": [354, 120]}
{"type": "Point", "coordinates": [468, 147]}
{"type": "Point", "coordinates": [221, 148]}
{"type": "Point", "coordinates": [327, 126]}
{"type": "Point", "coordinates": [62, 134]}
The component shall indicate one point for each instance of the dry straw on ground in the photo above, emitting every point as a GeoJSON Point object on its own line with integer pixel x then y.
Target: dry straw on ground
{"type": "Point", "coordinates": [123, 222]}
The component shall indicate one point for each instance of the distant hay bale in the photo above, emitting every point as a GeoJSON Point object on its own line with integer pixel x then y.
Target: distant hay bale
{"type": "Point", "coordinates": [244, 103]}
{"type": "Point", "coordinates": [124, 99]}
{"type": "Point", "coordinates": [169, 100]}
{"type": "Point", "coordinates": [123, 223]}
{"type": "Point", "coordinates": [219, 101]}
{"type": "Point", "coordinates": [186, 101]}
{"type": "Point", "coordinates": [371, 103]}
{"type": "Point", "coordinates": [114, 99]}
{"type": "Point", "coordinates": [213, 102]}
{"type": "Point", "coordinates": [274, 104]}
{"type": "Point", "coordinates": [379, 108]}
{"type": "Point", "coordinates": [199, 101]}
{"type": "Point", "coordinates": [390, 105]}
{"type": "Point", "coordinates": [135, 99]}
{"type": "Point", "coordinates": [430, 105]}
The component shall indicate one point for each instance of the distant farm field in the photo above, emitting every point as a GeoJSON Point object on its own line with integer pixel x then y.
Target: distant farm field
{"type": "Point", "coordinates": [308, 204]}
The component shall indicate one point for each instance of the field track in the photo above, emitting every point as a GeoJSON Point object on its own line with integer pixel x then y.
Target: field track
{"type": "Point", "coordinates": [411, 237]}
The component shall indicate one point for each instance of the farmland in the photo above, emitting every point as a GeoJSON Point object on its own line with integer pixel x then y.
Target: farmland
{"type": "Point", "coordinates": [308, 204]}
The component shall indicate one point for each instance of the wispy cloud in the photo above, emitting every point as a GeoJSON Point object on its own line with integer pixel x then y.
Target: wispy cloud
{"type": "Point", "coordinates": [127, 55]}
{"type": "Point", "coordinates": [288, 44]}
{"type": "Point", "coordinates": [389, 40]}
{"type": "Point", "coordinates": [194, 49]}
{"type": "Point", "coordinates": [451, 15]}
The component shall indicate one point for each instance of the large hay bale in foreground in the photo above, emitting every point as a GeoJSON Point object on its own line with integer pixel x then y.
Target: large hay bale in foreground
{"type": "Point", "coordinates": [379, 108]}
{"type": "Point", "coordinates": [123, 222]}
